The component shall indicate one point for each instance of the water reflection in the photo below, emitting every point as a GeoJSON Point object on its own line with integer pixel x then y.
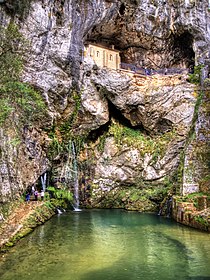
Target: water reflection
{"type": "Point", "coordinates": [109, 244]}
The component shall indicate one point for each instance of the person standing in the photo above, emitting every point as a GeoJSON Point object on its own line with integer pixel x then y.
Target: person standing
{"type": "Point", "coordinates": [27, 197]}
{"type": "Point", "coordinates": [32, 190]}
{"type": "Point", "coordinates": [36, 195]}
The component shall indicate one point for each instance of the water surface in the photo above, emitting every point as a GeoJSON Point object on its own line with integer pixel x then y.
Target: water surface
{"type": "Point", "coordinates": [109, 245]}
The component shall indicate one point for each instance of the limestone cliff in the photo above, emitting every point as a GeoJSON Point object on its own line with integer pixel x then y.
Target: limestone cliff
{"type": "Point", "coordinates": [134, 129]}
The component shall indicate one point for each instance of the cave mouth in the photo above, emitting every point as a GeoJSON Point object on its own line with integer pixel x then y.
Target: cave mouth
{"type": "Point", "coordinates": [116, 115]}
{"type": "Point", "coordinates": [122, 9]}
{"type": "Point", "coordinates": [182, 50]}
{"type": "Point", "coordinates": [144, 50]}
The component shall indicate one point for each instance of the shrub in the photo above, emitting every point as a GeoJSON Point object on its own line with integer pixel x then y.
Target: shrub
{"type": "Point", "coordinates": [195, 78]}
{"type": "Point", "coordinates": [61, 194]}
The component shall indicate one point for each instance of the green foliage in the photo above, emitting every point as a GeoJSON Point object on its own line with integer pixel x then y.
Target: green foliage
{"type": "Point", "coordinates": [19, 7]}
{"type": "Point", "coordinates": [168, 186]}
{"type": "Point", "coordinates": [65, 127]}
{"type": "Point", "coordinates": [201, 220]}
{"type": "Point", "coordinates": [192, 197]}
{"type": "Point", "coordinates": [15, 141]}
{"type": "Point", "coordinates": [22, 99]}
{"type": "Point", "coordinates": [135, 138]}
{"type": "Point", "coordinates": [134, 197]}
{"type": "Point", "coordinates": [135, 194]}
{"type": "Point", "coordinates": [197, 106]}
{"type": "Point", "coordinates": [64, 146]}
{"type": "Point", "coordinates": [102, 141]}
{"type": "Point", "coordinates": [12, 48]}
{"type": "Point", "coordinates": [206, 178]}
{"type": "Point", "coordinates": [195, 78]}
{"type": "Point", "coordinates": [207, 82]}
{"type": "Point", "coordinates": [62, 135]}
{"type": "Point", "coordinates": [61, 194]}
{"type": "Point", "coordinates": [16, 97]}
{"type": "Point", "coordinates": [56, 147]}
{"type": "Point", "coordinates": [5, 109]}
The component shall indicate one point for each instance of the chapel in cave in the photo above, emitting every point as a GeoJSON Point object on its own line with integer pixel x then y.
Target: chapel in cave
{"type": "Point", "coordinates": [103, 56]}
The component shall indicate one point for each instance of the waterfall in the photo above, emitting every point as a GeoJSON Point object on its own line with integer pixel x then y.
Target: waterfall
{"type": "Point", "coordinates": [44, 180]}
{"type": "Point", "coordinates": [59, 211]}
{"type": "Point", "coordinates": [75, 176]}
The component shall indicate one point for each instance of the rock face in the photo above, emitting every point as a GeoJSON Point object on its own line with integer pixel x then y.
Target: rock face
{"type": "Point", "coordinates": [22, 161]}
{"type": "Point", "coordinates": [158, 111]}
{"type": "Point", "coordinates": [196, 171]}
{"type": "Point", "coordinates": [135, 126]}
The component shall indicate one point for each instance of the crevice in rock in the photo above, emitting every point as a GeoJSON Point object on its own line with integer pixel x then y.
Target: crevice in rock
{"type": "Point", "coordinates": [164, 126]}
{"type": "Point", "coordinates": [182, 50]}
{"type": "Point", "coordinates": [122, 9]}
{"type": "Point", "coordinates": [95, 134]}
{"type": "Point", "coordinates": [116, 115]}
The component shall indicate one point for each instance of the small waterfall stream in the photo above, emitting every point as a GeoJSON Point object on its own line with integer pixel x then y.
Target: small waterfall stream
{"type": "Point", "coordinates": [44, 181]}
{"type": "Point", "coordinates": [75, 176]}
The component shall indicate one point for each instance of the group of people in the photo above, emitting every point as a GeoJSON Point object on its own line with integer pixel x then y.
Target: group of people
{"type": "Point", "coordinates": [34, 192]}
{"type": "Point", "coordinates": [143, 70]}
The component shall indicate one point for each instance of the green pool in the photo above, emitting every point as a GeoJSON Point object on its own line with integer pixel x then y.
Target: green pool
{"type": "Point", "coordinates": [109, 245]}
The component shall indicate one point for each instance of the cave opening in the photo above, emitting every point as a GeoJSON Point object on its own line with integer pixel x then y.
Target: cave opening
{"type": "Point", "coordinates": [122, 9]}
{"type": "Point", "coordinates": [95, 134]}
{"type": "Point", "coordinates": [144, 51]}
{"type": "Point", "coordinates": [182, 49]}
{"type": "Point", "coordinates": [116, 115]}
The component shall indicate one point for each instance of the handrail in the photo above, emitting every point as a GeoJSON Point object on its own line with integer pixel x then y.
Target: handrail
{"type": "Point", "coordinates": [148, 71]}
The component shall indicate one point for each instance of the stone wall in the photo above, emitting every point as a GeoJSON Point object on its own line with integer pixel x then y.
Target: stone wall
{"type": "Point", "coordinates": [103, 57]}
{"type": "Point", "coordinates": [186, 213]}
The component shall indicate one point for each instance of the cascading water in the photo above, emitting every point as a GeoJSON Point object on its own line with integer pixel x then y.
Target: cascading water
{"type": "Point", "coordinates": [44, 180]}
{"type": "Point", "coordinates": [76, 181]}
{"type": "Point", "coordinates": [59, 211]}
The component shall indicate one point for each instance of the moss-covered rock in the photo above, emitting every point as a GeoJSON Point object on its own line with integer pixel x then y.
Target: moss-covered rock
{"type": "Point", "coordinates": [20, 225]}
{"type": "Point", "coordinates": [192, 210]}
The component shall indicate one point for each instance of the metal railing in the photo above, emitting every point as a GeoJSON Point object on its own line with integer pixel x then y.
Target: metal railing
{"type": "Point", "coordinates": [148, 71]}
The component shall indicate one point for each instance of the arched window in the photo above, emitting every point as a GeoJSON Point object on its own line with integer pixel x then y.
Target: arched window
{"type": "Point", "coordinates": [98, 54]}
{"type": "Point", "coordinates": [111, 57]}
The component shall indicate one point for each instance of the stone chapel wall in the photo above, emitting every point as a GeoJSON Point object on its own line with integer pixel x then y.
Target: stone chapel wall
{"type": "Point", "coordinates": [103, 57]}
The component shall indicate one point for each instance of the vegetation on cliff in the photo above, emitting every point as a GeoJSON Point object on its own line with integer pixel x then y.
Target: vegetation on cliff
{"type": "Point", "coordinates": [18, 100]}
{"type": "Point", "coordinates": [18, 7]}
